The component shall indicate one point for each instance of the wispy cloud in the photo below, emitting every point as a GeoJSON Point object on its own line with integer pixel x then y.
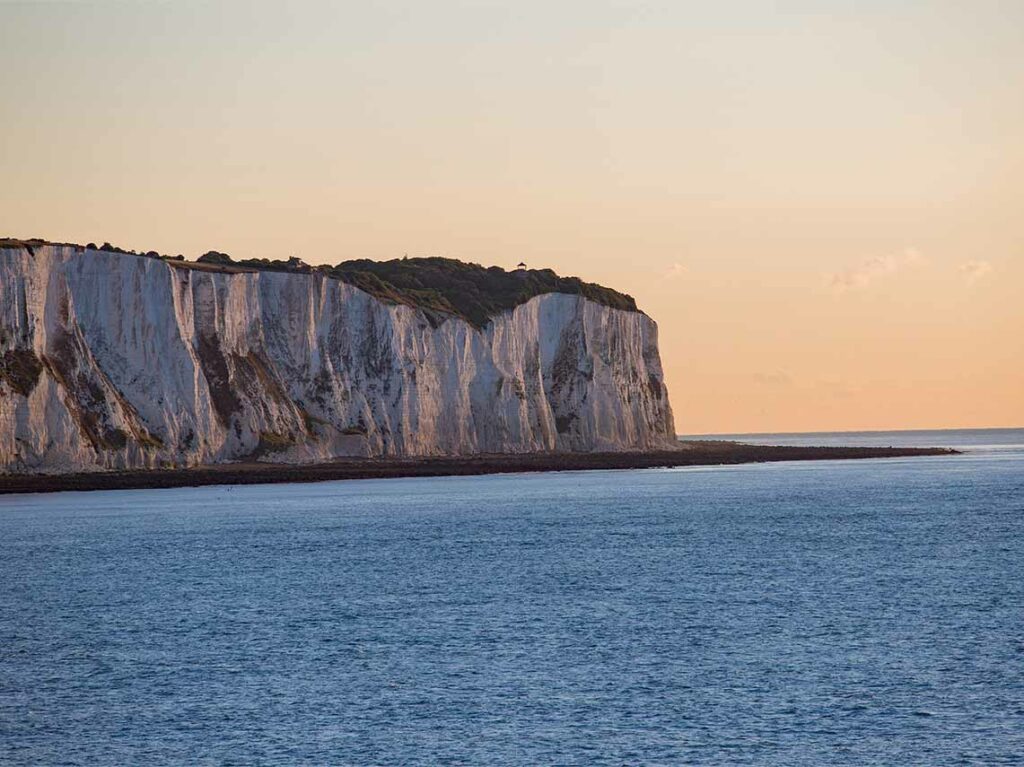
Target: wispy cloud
{"type": "Point", "coordinates": [868, 271]}
{"type": "Point", "coordinates": [773, 378]}
{"type": "Point", "coordinates": [780, 379]}
{"type": "Point", "coordinates": [974, 270]}
{"type": "Point", "coordinates": [835, 388]}
{"type": "Point", "coordinates": [674, 271]}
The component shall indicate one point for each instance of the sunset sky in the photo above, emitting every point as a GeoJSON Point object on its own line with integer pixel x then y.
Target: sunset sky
{"type": "Point", "coordinates": [821, 203]}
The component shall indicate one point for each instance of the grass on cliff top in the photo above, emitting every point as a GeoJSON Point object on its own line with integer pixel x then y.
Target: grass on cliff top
{"type": "Point", "coordinates": [439, 286]}
{"type": "Point", "coordinates": [471, 291]}
{"type": "Point", "coordinates": [443, 285]}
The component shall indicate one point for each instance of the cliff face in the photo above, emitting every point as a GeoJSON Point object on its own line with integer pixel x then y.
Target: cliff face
{"type": "Point", "coordinates": [116, 361]}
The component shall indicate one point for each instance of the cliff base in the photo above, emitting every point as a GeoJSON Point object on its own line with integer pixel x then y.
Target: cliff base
{"type": "Point", "coordinates": [697, 453]}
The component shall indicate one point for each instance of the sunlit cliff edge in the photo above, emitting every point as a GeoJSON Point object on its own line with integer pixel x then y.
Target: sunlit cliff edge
{"type": "Point", "coordinates": [114, 360]}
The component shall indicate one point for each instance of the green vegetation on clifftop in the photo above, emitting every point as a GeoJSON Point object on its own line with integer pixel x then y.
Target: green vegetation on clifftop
{"type": "Point", "coordinates": [438, 286]}
{"type": "Point", "coordinates": [441, 286]}
{"type": "Point", "coordinates": [471, 291]}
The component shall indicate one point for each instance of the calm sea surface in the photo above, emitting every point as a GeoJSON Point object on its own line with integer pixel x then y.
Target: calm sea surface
{"type": "Point", "coordinates": [846, 612]}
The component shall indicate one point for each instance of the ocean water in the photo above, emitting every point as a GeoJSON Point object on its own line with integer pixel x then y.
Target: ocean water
{"type": "Point", "coordinates": [843, 612]}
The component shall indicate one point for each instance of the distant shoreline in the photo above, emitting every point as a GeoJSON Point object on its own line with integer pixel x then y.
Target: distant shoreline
{"type": "Point", "coordinates": [690, 453]}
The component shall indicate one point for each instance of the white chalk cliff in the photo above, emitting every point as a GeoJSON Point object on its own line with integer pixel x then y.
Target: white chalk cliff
{"type": "Point", "coordinates": [110, 360]}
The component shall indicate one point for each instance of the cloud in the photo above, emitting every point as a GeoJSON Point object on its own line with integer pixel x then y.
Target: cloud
{"type": "Point", "coordinates": [676, 270]}
{"type": "Point", "coordinates": [834, 388]}
{"type": "Point", "coordinates": [777, 378]}
{"type": "Point", "coordinates": [868, 271]}
{"type": "Point", "coordinates": [975, 270]}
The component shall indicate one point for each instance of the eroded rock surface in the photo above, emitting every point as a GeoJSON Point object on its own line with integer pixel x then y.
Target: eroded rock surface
{"type": "Point", "coordinates": [109, 360]}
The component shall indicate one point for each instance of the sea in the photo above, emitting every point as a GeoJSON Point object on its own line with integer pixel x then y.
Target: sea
{"type": "Point", "coordinates": [855, 612]}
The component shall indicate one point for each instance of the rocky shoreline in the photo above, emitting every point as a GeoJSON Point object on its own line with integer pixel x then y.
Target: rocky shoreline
{"type": "Point", "coordinates": [696, 453]}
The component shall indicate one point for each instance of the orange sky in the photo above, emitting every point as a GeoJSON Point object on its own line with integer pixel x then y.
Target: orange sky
{"type": "Point", "coordinates": [819, 202]}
